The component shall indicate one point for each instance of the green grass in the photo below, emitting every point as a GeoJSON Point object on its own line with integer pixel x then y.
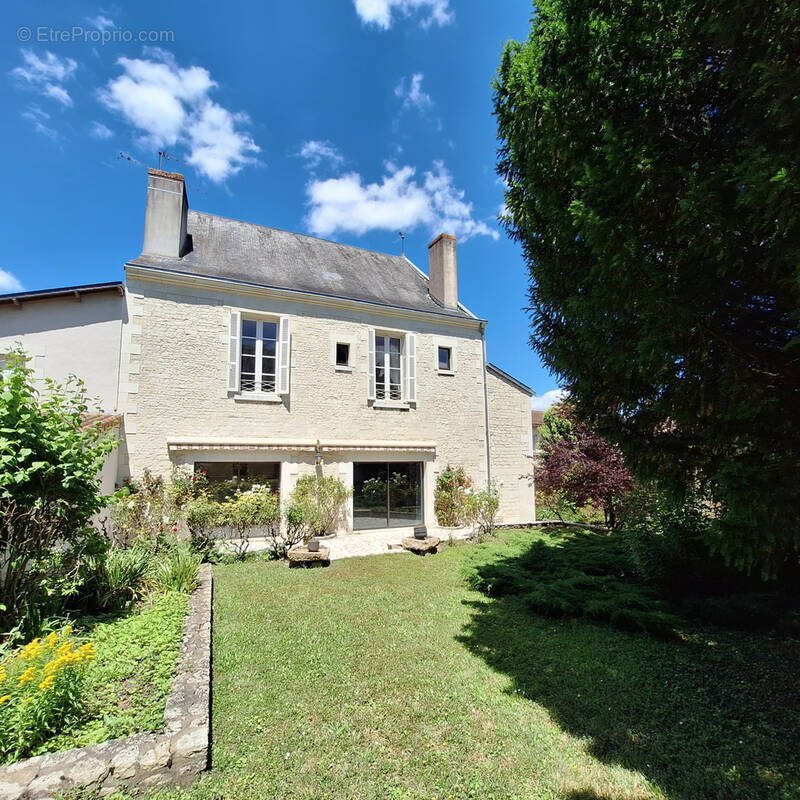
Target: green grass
{"type": "Point", "coordinates": [128, 682]}
{"type": "Point", "coordinates": [387, 677]}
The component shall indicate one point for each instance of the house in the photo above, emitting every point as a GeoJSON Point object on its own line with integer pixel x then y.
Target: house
{"type": "Point", "coordinates": [255, 353]}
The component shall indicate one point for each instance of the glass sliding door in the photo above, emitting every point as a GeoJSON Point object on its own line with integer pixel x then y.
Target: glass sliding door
{"type": "Point", "coordinates": [387, 495]}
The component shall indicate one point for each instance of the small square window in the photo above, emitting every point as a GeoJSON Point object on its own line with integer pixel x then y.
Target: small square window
{"type": "Point", "coordinates": [342, 354]}
{"type": "Point", "coordinates": [445, 359]}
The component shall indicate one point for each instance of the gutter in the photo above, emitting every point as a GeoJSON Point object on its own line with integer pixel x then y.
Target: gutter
{"type": "Point", "coordinates": [486, 407]}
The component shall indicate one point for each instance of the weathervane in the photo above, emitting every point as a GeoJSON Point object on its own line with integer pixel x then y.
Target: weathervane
{"type": "Point", "coordinates": [402, 242]}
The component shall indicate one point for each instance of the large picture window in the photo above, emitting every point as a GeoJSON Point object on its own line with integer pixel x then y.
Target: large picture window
{"type": "Point", "coordinates": [225, 478]}
{"type": "Point", "coordinates": [386, 495]}
{"type": "Point", "coordinates": [259, 355]}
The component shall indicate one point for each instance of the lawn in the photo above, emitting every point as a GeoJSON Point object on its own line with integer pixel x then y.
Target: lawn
{"type": "Point", "coordinates": [386, 677]}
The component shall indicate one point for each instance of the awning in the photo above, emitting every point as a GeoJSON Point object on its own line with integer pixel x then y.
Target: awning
{"type": "Point", "coordinates": [182, 444]}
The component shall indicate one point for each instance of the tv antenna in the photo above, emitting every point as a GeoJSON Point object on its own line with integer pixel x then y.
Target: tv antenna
{"type": "Point", "coordinates": [163, 155]}
{"type": "Point", "coordinates": [402, 242]}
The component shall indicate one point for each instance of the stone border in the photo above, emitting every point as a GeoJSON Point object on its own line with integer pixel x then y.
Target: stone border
{"type": "Point", "coordinates": [175, 755]}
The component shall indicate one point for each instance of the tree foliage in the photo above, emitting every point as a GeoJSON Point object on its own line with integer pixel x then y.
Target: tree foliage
{"type": "Point", "coordinates": [581, 466]}
{"type": "Point", "coordinates": [50, 459]}
{"type": "Point", "coordinates": [651, 156]}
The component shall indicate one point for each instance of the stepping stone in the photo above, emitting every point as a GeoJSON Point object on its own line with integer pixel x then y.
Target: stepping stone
{"type": "Point", "coordinates": [421, 546]}
{"type": "Point", "coordinates": [303, 557]}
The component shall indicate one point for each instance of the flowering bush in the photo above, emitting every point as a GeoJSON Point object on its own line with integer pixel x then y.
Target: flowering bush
{"type": "Point", "coordinates": [255, 508]}
{"type": "Point", "coordinates": [40, 691]}
{"type": "Point", "coordinates": [453, 487]}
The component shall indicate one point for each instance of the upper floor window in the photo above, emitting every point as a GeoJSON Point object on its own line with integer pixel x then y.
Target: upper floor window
{"type": "Point", "coordinates": [445, 360]}
{"type": "Point", "coordinates": [388, 372]}
{"type": "Point", "coordinates": [259, 358]}
{"type": "Point", "coordinates": [392, 366]}
{"type": "Point", "coordinates": [342, 354]}
{"type": "Point", "coordinates": [258, 355]}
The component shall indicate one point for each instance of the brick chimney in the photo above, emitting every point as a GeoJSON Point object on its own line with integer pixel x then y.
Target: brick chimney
{"type": "Point", "coordinates": [443, 270]}
{"type": "Point", "coordinates": [165, 217]}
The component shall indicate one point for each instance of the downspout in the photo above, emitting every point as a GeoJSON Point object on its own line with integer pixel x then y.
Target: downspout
{"type": "Point", "coordinates": [486, 407]}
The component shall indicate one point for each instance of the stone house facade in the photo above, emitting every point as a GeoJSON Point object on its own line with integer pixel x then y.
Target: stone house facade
{"type": "Point", "coordinates": [259, 355]}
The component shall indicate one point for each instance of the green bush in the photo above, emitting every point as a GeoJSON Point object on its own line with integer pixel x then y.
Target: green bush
{"type": "Point", "coordinates": [482, 508]}
{"type": "Point", "coordinates": [202, 517]}
{"type": "Point", "coordinates": [451, 497]}
{"type": "Point", "coordinates": [254, 508]}
{"type": "Point", "coordinates": [176, 570]}
{"type": "Point", "coordinates": [319, 501]}
{"type": "Point", "coordinates": [49, 465]}
{"type": "Point", "coordinates": [121, 576]}
{"type": "Point", "coordinates": [583, 574]}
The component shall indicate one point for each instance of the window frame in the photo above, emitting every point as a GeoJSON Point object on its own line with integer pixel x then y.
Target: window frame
{"type": "Point", "coordinates": [258, 378]}
{"type": "Point", "coordinates": [447, 344]}
{"type": "Point", "coordinates": [387, 336]}
{"type": "Point", "coordinates": [348, 362]}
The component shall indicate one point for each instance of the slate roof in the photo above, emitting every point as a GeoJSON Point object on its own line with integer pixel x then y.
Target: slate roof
{"type": "Point", "coordinates": [500, 373]}
{"type": "Point", "coordinates": [262, 256]}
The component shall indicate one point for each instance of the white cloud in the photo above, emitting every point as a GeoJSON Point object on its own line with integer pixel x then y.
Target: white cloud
{"type": "Point", "coordinates": [101, 22]}
{"type": "Point", "coordinates": [315, 152]}
{"type": "Point", "coordinates": [170, 105]}
{"type": "Point", "coordinates": [542, 402]}
{"type": "Point", "coordinates": [38, 116]}
{"type": "Point", "coordinates": [381, 12]}
{"type": "Point", "coordinates": [9, 283]}
{"type": "Point", "coordinates": [46, 75]}
{"type": "Point", "coordinates": [347, 204]}
{"type": "Point", "coordinates": [99, 131]}
{"type": "Point", "coordinates": [413, 96]}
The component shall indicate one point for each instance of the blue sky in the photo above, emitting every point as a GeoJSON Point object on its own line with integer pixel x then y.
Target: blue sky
{"type": "Point", "coordinates": [346, 119]}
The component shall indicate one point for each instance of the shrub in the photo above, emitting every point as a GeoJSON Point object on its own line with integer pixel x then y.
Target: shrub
{"type": "Point", "coordinates": [667, 538]}
{"type": "Point", "coordinates": [255, 508]}
{"type": "Point", "coordinates": [202, 516]}
{"type": "Point", "coordinates": [451, 503]}
{"type": "Point", "coordinates": [176, 570]}
{"type": "Point", "coordinates": [49, 465]}
{"type": "Point", "coordinates": [280, 543]}
{"type": "Point", "coordinates": [121, 576]}
{"type": "Point", "coordinates": [40, 691]}
{"type": "Point", "coordinates": [319, 502]}
{"type": "Point", "coordinates": [482, 509]}
{"type": "Point", "coordinates": [145, 512]}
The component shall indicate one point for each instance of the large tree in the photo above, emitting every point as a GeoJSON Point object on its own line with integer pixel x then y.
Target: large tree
{"type": "Point", "coordinates": [651, 152]}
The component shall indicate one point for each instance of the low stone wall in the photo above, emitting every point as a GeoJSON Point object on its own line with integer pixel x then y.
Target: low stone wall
{"type": "Point", "coordinates": [175, 755]}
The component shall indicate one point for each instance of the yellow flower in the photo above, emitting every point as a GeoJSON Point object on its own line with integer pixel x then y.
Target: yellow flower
{"type": "Point", "coordinates": [26, 676]}
{"type": "Point", "coordinates": [47, 683]}
{"type": "Point", "coordinates": [31, 650]}
{"type": "Point", "coordinates": [4, 698]}
{"type": "Point", "coordinates": [3, 674]}
{"type": "Point", "coordinates": [67, 632]}
{"type": "Point", "coordinates": [65, 648]}
{"type": "Point", "coordinates": [26, 701]}
{"type": "Point", "coordinates": [51, 641]}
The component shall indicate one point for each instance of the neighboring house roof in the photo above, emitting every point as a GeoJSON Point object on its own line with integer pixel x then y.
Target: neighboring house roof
{"type": "Point", "coordinates": [258, 255]}
{"type": "Point", "coordinates": [68, 291]}
{"type": "Point", "coordinates": [495, 370]}
{"type": "Point", "coordinates": [102, 421]}
{"type": "Point", "coordinates": [537, 418]}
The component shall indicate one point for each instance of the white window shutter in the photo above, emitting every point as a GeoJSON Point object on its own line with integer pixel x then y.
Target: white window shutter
{"type": "Point", "coordinates": [234, 350]}
{"type": "Point", "coordinates": [371, 363]}
{"type": "Point", "coordinates": [411, 367]}
{"type": "Point", "coordinates": [285, 356]}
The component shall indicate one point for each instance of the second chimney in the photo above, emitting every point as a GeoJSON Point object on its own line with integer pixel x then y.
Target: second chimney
{"type": "Point", "coordinates": [165, 217]}
{"type": "Point", "coordinates": [443, 270]}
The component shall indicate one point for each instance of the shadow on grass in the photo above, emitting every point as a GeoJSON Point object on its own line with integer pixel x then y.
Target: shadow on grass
{"type": "Point", "coordinates": [710, 715]}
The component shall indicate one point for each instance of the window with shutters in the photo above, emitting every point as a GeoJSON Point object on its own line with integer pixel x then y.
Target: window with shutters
{"type": "Point", "coordinates": [392, 367]}
{"type": "Point", "coordinates": [259, 355]}
{"type": "Point", "coordinates": [259, 359]}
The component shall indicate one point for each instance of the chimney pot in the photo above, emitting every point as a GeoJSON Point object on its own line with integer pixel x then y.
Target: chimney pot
{"type": "Point", "coordinates": [165, 217]}
{"type": "Point", "coordinates": [443, 270]}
